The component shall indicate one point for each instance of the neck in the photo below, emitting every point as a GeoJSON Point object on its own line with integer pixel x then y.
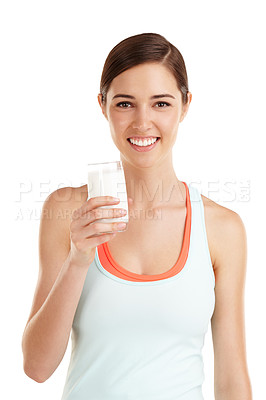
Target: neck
{"type": "Point", "coordinates": [153, 187]}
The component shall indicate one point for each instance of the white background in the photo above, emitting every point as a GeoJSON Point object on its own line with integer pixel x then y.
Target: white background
{"type": "Point", "coordinates": [52, 54]}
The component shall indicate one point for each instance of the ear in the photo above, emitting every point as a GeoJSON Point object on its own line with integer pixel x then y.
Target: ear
{"type": "Point", "coordinates": [186, 106]}
{"type": "Point", "coordinates": [103, 107]}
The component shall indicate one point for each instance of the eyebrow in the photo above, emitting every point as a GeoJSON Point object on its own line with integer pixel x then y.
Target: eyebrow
{"type": "Point", "coordinates": [156, 96]}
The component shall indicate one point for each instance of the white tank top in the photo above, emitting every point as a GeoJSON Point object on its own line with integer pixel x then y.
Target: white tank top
{"type": "Point", "coordinates": [140, 337]}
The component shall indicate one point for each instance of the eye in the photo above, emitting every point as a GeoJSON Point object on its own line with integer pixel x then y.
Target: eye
{"type": "Point", "coordinates": [123, 104]}
{"type": "Point", "coordinates": [162, 104]}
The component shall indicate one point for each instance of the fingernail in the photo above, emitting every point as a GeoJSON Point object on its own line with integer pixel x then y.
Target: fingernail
{"type": "Point", "coordinates": [121, 225]}
{"type": "Point", "coordinates": [123, 211]}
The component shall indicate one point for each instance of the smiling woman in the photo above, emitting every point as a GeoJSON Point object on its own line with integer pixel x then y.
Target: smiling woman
{"type": "Point", "coordinates": [144, 107]}
{"type": "Point", "coordinates": [138, 302]}
{"type": "Point", "coordinates": [143, 77]}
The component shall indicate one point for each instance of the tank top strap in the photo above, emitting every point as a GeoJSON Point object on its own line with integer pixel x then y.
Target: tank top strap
{"type": "Point", "coordinates": [199, 226]}
{"type": "Point", "coordinates": [194, 194]}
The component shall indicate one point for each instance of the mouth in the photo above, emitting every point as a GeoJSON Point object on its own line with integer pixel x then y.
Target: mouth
{"type": "Point", "coordinates": [144, 144]}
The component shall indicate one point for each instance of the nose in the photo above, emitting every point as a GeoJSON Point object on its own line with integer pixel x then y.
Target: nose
{"type": "Point", "coordinates": [142, 120]}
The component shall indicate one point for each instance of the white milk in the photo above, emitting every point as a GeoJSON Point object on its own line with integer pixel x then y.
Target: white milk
{"type": "Point", "coordinates": [108, 179]}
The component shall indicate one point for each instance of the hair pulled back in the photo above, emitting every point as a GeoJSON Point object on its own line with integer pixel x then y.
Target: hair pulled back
{"type": "Point", "coordinates": [139, 49]}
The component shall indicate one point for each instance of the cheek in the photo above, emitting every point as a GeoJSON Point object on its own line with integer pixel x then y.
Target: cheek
{"type": "Point", "coordinates": [119, 122]}
{"type": "Point", "coordinates": [168, 122]}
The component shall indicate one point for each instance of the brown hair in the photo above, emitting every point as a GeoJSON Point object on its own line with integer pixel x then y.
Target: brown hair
{"type": "Point", "coordinates": [139, 49]}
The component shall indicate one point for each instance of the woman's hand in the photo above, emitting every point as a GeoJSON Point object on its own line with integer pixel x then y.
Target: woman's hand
{"type": "Point", "coordinates": [86, 233]}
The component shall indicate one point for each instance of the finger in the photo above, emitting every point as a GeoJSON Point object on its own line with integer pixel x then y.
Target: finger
{"type": "Point", "coordinates": [99, 228]}
{"type": "Point", "coordinates": [101, 213]}
{"type": "Point", "coordinates": [93, 203]}
{"type": "Point", "coordinates": [97, 240]}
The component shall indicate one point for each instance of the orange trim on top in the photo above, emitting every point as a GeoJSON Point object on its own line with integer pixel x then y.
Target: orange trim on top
{"type": "Point", "coordinates": [109, 264]}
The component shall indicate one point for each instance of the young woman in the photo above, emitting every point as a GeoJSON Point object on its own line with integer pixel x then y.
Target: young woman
{"type": "Point", "coordinates": [139, 301]}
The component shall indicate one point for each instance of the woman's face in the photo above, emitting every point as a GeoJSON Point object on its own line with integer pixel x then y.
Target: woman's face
{"type": "Point", "coordinates": [144, 102]}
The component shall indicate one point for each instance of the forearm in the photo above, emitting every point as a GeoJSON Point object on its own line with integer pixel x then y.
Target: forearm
{"type": "Point", "coordinates": [240, 390]}
{"type": "Point", "coordinates": [46, 335]}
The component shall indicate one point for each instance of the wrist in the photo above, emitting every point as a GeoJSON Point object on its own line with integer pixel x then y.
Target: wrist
{"type": "Point", "coordinates": [73, 267]}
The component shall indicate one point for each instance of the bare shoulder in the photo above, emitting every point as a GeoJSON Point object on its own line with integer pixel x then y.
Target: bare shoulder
{"type": "Point", "coordinates": [58, 209]}
{"type": "Point", "coordinates": [67, 197]}
{"type": "Point", "coordinates": [225, 230]}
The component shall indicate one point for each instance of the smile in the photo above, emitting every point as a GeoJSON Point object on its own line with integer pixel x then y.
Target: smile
{"type": "Point", "coordinates": [144, 142]}
{"type": "Point", "coordinates": [143, 145]}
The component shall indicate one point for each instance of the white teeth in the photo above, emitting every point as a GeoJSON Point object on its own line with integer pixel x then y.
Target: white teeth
{"type": "Point", "coordinates": [143, 143]}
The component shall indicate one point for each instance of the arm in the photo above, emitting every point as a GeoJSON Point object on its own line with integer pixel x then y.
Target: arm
{"type": "Point", "coordinates": [231, 379]}
{"type": "Point", "coordinates": [57, 293]}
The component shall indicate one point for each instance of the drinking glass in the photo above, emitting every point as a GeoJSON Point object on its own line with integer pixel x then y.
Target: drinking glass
{"type": "Point", "coordinates": [108, 179]}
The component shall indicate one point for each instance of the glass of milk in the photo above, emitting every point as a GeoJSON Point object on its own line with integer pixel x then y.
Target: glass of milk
{"type": "Point", "coordinates": [108, 179]}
